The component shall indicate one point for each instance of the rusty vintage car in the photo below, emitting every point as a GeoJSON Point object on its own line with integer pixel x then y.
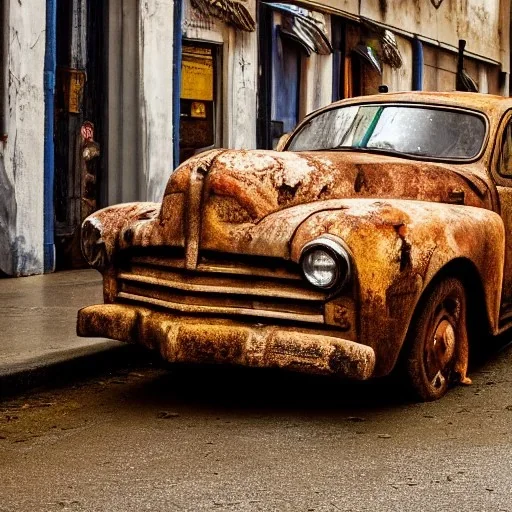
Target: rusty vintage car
{"type": "Point", "coordinates": [377, 237]}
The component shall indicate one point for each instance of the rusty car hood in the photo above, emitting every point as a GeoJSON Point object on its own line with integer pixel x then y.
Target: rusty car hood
{"type": "Point", "coordinates": [243, 202]}
{"type": "Point", "coordinates": [263, 182]}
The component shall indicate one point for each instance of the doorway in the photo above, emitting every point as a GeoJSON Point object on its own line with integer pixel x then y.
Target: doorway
{"type": "Point", "coordinates": [80, 106]}
{"type": "Point", "coordinates": [279, 80]}
{"type": "Point", "coordinates": [200, 112]}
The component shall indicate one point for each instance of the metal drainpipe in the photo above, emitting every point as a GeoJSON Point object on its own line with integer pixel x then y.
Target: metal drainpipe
{"type": "Point", "coordinates": [176, 82]}
{"type": "Point", "coordinates": [417, 71]}
{"type": "Point", "coordinates": [4, 81]}
{"type": "Point", "coordinates": [50, 62]}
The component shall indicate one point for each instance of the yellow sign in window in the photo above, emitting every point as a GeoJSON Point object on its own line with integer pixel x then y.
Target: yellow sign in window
{"type": "Point", "coordinates": [196, 74]}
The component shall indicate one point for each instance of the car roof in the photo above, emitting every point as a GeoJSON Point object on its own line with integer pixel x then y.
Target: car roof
{"type": "Point", "coordinates": [489, 104]}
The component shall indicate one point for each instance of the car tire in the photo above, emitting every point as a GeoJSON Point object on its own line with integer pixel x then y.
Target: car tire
{"type": "Point", "coordinates": [437, 347]}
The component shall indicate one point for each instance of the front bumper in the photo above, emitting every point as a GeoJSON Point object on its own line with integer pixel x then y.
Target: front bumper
{"type": "Point", "coordinates": [205, 340]}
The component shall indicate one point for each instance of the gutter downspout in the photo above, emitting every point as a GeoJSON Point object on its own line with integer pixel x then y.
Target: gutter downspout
{"type": "Point", "coordinates": [50, 62]}
{"type": "Point", "coordinates": [176, 82]}
{"type": "Point", "coordinates": [417, 65]}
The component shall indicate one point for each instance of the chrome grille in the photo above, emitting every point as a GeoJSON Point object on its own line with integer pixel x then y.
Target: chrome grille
{"type": "Point", "coordinates": [252, 287]}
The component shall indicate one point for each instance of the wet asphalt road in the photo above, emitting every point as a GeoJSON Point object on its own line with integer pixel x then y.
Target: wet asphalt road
{"type": "Point", "coordinates": [153, 438]}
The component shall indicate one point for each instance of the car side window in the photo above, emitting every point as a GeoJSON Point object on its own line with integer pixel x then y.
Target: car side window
{"type": "Point", "coordinates": [505, 167]}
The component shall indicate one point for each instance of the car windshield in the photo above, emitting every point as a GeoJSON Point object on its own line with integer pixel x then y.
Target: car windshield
{"type": "Point", "coordinates": [405, 129]}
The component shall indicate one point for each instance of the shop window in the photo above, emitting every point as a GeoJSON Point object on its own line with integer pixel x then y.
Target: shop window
{"type": "Point", "coordinates": [198, 124]}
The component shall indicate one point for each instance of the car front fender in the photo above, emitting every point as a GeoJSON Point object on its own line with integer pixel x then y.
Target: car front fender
{"type": "Point", "coordinates": [399, 247]}
{"type": "Point", "coordinates": [101, 230]}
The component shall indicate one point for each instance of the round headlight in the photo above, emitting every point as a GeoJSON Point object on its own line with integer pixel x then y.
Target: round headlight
{"type": "Point", "coordinates": [320, 268]}
{"type": "Point", "coordinates": [93, 245]}
{"type": "Point", "coordinates": [325, 263]}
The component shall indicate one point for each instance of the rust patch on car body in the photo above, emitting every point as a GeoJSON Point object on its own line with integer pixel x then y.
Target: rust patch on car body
{"type": "Point", "coordinates": [264, 182]}
{"type": "Point", "coordinates": [213, 273]}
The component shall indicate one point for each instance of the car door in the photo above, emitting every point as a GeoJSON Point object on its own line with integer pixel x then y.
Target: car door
{"type": "Point", "coordinates": [502, 174]}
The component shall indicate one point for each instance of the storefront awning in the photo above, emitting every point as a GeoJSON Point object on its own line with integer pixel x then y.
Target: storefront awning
{"type": "Point", "coordinates": [305, 27]}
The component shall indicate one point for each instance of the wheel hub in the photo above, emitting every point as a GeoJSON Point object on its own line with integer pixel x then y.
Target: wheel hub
{"type": "Point", "coordinates": [440, 352]}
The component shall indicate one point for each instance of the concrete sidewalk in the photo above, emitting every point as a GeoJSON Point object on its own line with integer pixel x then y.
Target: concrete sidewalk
{"type": "Point", "coordinates": [37, 327]}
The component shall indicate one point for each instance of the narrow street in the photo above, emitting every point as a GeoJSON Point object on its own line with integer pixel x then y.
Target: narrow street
{"type": "Point", "coordinates": [147, 437]}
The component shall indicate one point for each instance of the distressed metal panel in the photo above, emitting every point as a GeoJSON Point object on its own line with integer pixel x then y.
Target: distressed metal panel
{"type": "Point", "coordinates": [434, 234]}
{"type": "Point", "coordinates": [506, 213]}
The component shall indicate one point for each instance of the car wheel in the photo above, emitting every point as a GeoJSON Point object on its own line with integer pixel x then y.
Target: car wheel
{"type": "Point", "coordinates": [438, 341]}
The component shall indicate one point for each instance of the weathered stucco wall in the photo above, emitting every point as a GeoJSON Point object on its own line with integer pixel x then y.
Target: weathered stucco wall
{"type": "Point", "coordinates": [483, 23]}
{"type": "Point", "coordinates": [400, 79]}
{"type": "Point", "coordinates": [155, 57]}
{"type": "Point", "coordinates": [316, 79]}
{"type": "Point", "coordinates": [125, 179]}
{"type": "Point", "coordinates": [241, 76]}
{"type": "Point", "coordinates": [140, 99]}
{"type": "Point", "coordinates": [477, 21]}
{"type": "Point", "coordinates": [22, 155]}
